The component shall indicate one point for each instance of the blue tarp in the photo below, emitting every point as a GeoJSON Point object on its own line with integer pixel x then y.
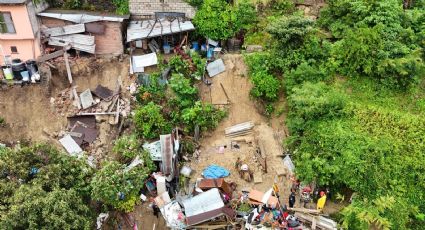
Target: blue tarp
{"type": "Point", "coordinates": [215, 171]}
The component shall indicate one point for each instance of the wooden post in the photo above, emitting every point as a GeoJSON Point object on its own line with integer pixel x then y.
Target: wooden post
{"type": "Point", "coordinates": [68, 68]}
{"type": "Point", "coordinates": [225, 93]}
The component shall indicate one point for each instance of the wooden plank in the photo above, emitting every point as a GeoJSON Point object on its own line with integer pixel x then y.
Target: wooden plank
{"type": "Point", "coordinates": [75, 38]}
{"type": "Point", "coordinates": [70, 29]}
{"type": "Point", "coordinates": [68, 67]}
{"type": "Point", "coordinates": [50, 56]}
{"type": "Point", "coordinates": [225, 93]}
{"type": "Point", "coordinates": [76, 98]}
{"type": "Point", "coordinates": [305, 210]}
{"type": "Point", "coordinates": [77, 46]}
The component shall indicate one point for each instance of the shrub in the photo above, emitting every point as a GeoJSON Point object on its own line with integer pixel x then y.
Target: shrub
{"type": "Point", "coordinates": [121, 6]}
{"type": "Point", "coordinates": [127, 147]}
{"type": "Point", "coordinates": [204, 115]}
{"type": "Point", "coordinates": [312, 102]}
{"type": "Point", "coordinates": [303, 73]}
{"type": "Point", "coordinates": [150, 122]}
{"type": "Point", "coordinates": [266, 86]}
{"type": "Point", "coordinates": [186, 93]}
{"type": "Point", "coordinates": [216, 20]}
{"type": "Point", "coordinates": [179, 65]}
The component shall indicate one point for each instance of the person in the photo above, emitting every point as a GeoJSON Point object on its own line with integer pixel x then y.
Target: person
{"type": "Point", "coordinates": [292, 198]}
{"type": "Point", "coordinates": [156, 210]}
{"type": "Point", "coordinates": [322, 200]}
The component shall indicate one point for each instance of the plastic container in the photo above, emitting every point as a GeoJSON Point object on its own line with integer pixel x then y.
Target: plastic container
{"type": "Point", "coordinates": [7, 71]}
{"type": "Point", "coordinates": [167, 49]}
{"type": "Point", "coordinates": [31, 67]}
{"type": "Point", "coordinates": [210, 53]}
{"type": "Point", "coordinates": [25, 75]}
{"type": "Point", "coordinates": [17, 67]}
{"type": "Point", "coordinates": [195, 46]}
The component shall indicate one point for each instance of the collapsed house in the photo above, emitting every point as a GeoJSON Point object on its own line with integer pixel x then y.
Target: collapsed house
{"type": "Point", "coordinates": [148, 37]}
{"type": "Point", "coordinates": [89, 32]}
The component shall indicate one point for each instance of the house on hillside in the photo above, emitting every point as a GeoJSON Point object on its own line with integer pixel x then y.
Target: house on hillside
{"type": "Point", "coordinates": [91, 32]}
{"type": "Point", "coordinates": [145, 9]}
{"type": "Point", "coordinates": [19, 30]}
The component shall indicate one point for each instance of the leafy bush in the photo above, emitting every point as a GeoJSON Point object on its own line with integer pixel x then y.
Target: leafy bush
{"type": "Point", "coordinates": [312, 102]}
{"type": "Point", "coordinates": [121, 6]}
{"type": "Point", "coordinates": [246, 15]}
{"type": "Point", "coordinates": [150, 122]}
{"type": "Point", "coordinates": [204, 115]}
{"type": "Point", "coordinates": [2, 121]}
{"type": "Point", "coordinates": [183, 88]}
{"type": "Point", "coordinates": [154, 91]}
{"type": "Point", "coordinates": [266, 86]}
{"type": "Point", "coordinates": [127, 147]}
{"type": "Point", "coordinates": [200, 64]}
{"type": "Point", "coordinates": [303, 73]}
{"type": "Point", "coordinates": [179, 65]}
{"type": "Point", "coordinates": [216, 19]}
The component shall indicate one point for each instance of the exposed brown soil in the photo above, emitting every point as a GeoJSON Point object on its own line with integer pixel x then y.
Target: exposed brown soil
{"type": "Point", "coordinates": [36, 114]}
{"type": "Point", "coordinates": [241, 109]}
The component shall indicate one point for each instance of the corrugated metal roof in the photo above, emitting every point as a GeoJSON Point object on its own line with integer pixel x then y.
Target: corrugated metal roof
{"type": "Point", "coordinates": [202, 203]}
{"type": "Point", "coordinates": [137, 30]}
{"type": "Point", "coordinates": [12, 1]}
{"type": "Point", "coordinates": [81, 17]}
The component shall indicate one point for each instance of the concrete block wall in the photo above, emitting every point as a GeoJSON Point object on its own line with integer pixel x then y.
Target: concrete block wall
{"type": "Point", "coordinates": [149, 7]}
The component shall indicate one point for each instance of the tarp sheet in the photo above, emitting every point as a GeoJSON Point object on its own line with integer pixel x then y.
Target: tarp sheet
{"type": "Point", "coordinates": [140, 62]}
{"type": "Point", "coordinates": [215, 171]}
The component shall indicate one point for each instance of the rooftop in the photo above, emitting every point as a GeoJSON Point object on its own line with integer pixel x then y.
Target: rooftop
{"type": "Point", "coordinates": [12, 2]}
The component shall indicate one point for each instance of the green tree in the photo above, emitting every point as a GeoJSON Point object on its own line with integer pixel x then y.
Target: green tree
{"type": "Point", "coordinates": [114, 185]}
{"type": "Point", "coordinates": [31, 207]}
{"type": "Point", "coordinates": [216, 20]}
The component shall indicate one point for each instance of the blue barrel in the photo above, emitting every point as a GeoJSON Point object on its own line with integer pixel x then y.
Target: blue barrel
{"type": "Point", "coordinates": [195, 46]}
{"type": "Point", "coordinates": [210, 53]}
{"type": "Point", "coordinates": [167, 49]}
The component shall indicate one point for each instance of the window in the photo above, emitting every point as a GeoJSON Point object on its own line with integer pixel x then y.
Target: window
{"type": "Point", "coordinates": [6, 23]}
{"type": "Point", "coordinates": [14, 49]}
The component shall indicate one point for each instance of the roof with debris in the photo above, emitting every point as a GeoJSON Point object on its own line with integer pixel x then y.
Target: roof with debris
{"type": "Point", "coordinates": [12, 1]}
{"type": "Point", "coordinates": [82, 16]}
{"type": "Point", "coordinates": [137, 30]}
{"type": "Point", "coordinates": [203, 207]}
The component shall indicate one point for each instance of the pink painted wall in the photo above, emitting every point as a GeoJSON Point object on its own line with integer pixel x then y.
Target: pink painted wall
{"type": "Point", "coordinates": [23, 39]}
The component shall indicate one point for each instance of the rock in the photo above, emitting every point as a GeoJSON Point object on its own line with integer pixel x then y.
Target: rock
{"type": "Point", "coordinates": [254, 48]}
{"type": "Point", "coordinates": [133, 88]}
{"type": "Point", "coordinates": [52, 100]}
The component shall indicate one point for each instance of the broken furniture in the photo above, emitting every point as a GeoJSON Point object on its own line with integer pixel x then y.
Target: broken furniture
{"type": "Point", "coordinates": [220, 183]}
{"type": "Point", "coordinates": [256, 198]}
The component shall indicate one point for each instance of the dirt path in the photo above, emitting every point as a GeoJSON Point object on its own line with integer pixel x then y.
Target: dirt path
{"type": "Point", "coordinates": [241, 109]}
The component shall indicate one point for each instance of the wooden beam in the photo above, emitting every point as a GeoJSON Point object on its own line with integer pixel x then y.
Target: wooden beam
{"type": "Point", "coordinates": [225, 93]}
{"type": "Point", "coordinates": [68, 67]}
{"type": "Point", "coordinates": [50, 56]}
